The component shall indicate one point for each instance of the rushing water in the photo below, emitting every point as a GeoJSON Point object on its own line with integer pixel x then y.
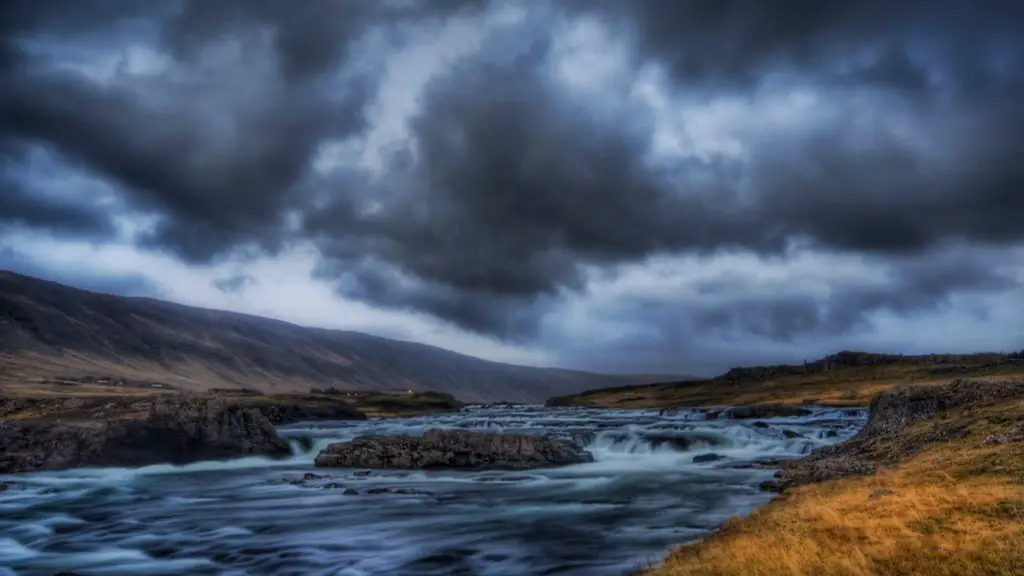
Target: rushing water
{"type": "Point", "coordinates": [641, 495]}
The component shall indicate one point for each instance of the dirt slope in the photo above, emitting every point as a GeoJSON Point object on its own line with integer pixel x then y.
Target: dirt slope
{"type": "Point", "coordinates": [51, 332]}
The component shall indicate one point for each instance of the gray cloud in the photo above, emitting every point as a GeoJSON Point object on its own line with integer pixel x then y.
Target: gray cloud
{"type": "Point", "coordinates": [81, 276]}
{"type": "Point", "coordinates": [731, 319]}
{"type": "Point", "coordinates": [510, 183]}
{"type": "Point", "coordinates": [232, 284]}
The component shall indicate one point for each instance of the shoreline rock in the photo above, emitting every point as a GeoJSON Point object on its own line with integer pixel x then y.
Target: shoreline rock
{"type": "Point", "coordinates": [452, 449]}
{"type": "Point", "coordinates": [885, 438]}
{"type": "Point", "coordinates": [133, 432]}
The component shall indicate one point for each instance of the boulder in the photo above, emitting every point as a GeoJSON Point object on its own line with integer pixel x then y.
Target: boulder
{"type": "Point", "coordinates": [709, 457]}
{"type": "Point", "coordinates": [126, 432]}
{"type": "Point", "coordinates": [455, 449]}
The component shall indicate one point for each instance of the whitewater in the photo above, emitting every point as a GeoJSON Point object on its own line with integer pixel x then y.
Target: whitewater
{"type": "Point", "coordinates": [642, 495]}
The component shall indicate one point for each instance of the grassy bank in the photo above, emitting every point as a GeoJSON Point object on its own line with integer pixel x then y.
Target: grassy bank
{"type": "Point", "coordinates": [99, 402]}
{"type": "Point", "coordinates": [404, 406]}
{"type": "Point", "coordinates": [846, 378]}
{"type": "Point", "coordinates": [947, 499]}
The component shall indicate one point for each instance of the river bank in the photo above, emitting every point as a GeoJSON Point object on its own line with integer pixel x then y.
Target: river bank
{"type": "Point", "coordinates": [933, 484]}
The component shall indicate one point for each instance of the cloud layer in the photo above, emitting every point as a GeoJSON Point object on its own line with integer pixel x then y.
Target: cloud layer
{"type": "Point", "coordinates": [500, 167]}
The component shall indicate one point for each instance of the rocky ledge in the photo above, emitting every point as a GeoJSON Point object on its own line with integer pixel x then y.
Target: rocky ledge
{"type": "Point", "coordinates": [136, 433]}
{"type": "Point", "coordinates": [890, 433]}
{"type": "Point", "coordinates": [287, 409]}
{"type": "Point", "coordinates": [453, 449]}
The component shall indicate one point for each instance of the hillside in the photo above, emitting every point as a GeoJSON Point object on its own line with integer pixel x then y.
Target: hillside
{"type": "Point", "coordinates": [56, 336]}
{"type": "Point", "coordinates": [846, 378]}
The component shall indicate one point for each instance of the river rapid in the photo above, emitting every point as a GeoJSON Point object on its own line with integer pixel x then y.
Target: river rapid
{"type": "Point", "coordinates": [641, 496]}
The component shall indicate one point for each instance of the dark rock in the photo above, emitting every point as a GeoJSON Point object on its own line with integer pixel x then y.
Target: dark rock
{"type": "Point", "coordinates": [879, 493]}
{"type": "Point", "coordinates": [171, 430]}
{"type": "Point", "coordinates": [712, 414]}
{"type": "Point", "coordinates": [296, 408]}
{"type": "Point", "coordinates": [3, 487]}
{"type": "Point", "coordinates": [760, 464]}
{"type": "Point", "coordinates": [405, 491]}
{"type": "Point", "coordinates": [452, 449]}
{"type": "Point", "coordinates": [680, 441]}
{"type": "Point", "coordinates": [896, 409]}
{"type": "Point", "coordinates": [363, 473]}
{"type": "Point", "coordinates": [766, 411]}
{"type": "Point", "coordinates": [709, 457]}
{"type": "Point", "coordinates": [831, 434]}
{"type": "Point", "coordinates": [884, 440]}
{"type": "Point", "coordinates": [350, 492]}
{"type": "Point", "coordinates": [307, 477]}
{"type": "Point", "coordinates": [791, 434]}
{"type": "Point", "coordinates": [760, 424]}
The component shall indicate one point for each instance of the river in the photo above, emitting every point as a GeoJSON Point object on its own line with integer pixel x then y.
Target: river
{"type": "Point", "coordinates": [642, 495]}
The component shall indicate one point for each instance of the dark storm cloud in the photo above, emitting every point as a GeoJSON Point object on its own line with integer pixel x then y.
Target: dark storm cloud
{"type": "Point", "coordinates": [21, 205]}
{"type": "Point", "coordinates": [511, 183]}
{"type": "Point", "coordinates": [219, 154]}
{"type": "Point", "coordinates": [517, 184]}
{"type": "Point", "coordinates": [18, 206]}
{"type": "Point", "coordinates": [733, 42]}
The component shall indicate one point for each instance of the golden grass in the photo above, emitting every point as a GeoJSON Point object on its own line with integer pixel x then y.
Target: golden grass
{"type": "Point", "coordinates": [399, 406]}
{"type": "Point", "coordinates": [955, 509]}
{"type": "Point", "coordinates": [846, 386]}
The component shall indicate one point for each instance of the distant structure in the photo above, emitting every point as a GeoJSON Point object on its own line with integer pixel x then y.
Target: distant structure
{"type": "Point", "coordinates": [400, 391]}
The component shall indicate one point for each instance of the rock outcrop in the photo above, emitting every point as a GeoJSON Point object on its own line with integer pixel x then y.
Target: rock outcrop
{"type": "Point", "coordinates": [293, 408]}
{"type": "Point", "coordinates": [759, 411]}
{"type": "Point", "coordinates": [128, 432]}
{"type": "Point", "coordinates": [890, 433]}
{"type": "Point", "coordinates": [452, 449]}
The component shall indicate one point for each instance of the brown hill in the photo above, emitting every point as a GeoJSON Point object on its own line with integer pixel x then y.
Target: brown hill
{"type": "Point", "coordinates": [845, 378]}
{"type": "Point", "coordinates": [52, 335]}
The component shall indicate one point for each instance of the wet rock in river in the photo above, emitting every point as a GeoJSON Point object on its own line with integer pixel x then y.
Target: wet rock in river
{"type": "Point", "coordinates": [402, 491]}
{"type": "Point", "coordinates": [705, 458]}
{"type": "Point", "coordinates": [452, 449]}
{"type": "Point", "coordinates": [138, 433]}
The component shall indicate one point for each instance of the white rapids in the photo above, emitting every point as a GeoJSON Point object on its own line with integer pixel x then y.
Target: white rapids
{"type": "Point", "coordinates": [642, 494]}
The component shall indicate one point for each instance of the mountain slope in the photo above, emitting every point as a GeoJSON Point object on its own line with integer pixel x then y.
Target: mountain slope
{"type": "Point", "coordinates": [48, 331]}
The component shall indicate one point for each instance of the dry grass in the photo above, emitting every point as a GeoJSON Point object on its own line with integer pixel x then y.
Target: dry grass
{"type": "Point", "coordinates": [846, 386]}
{"type": "Point", "coordinates": [956, 508]}
{"type": "Point", "coordinates": [393, 406]}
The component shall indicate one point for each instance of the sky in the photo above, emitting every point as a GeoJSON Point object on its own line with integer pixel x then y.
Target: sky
{"type": "Point", "coordinates": [647, 186]}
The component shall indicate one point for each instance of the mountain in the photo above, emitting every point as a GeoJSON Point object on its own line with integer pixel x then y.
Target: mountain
{"type": "Point", "coordinates": [52, 332]}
